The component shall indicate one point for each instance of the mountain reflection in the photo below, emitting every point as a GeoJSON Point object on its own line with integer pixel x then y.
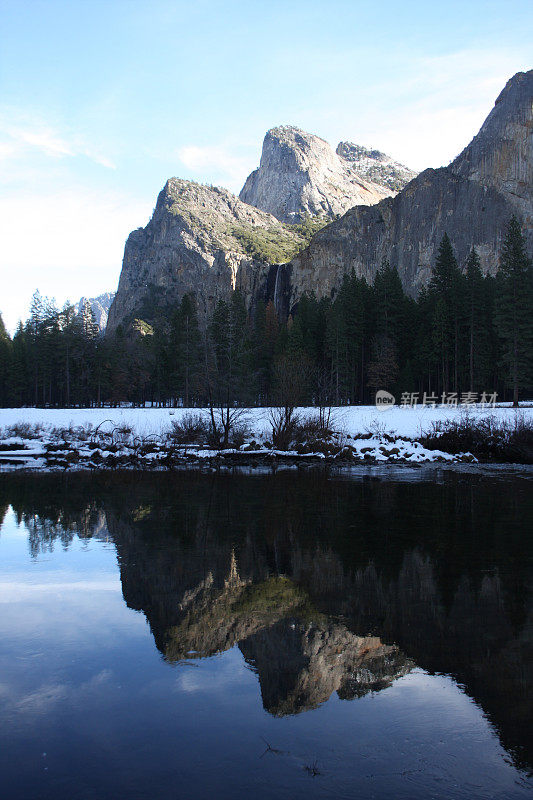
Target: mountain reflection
{"type": "Point", "coordinates": [325, 586]}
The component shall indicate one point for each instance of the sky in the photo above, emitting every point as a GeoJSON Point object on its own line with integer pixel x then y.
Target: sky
{"type": "Point", "coordinates": [102, 101]}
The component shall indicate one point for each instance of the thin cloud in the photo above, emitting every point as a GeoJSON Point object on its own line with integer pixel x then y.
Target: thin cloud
{"type": "Point", "coordinates": [22, 135]}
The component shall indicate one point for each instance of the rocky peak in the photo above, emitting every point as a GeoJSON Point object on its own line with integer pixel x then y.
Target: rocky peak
{"type": "Point", "coordinates": [500, 155]}
{"type": "Point", "coordinates": [300, 174]}
{"type": "Point", "coordinates": [375, 166]}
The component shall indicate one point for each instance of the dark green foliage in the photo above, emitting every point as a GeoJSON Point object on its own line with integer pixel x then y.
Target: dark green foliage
{"type": "Point", "coordinates": [6, 356]}
{"type": "Point", "coordinates": [185, 350]}
{"type": "Point", "coordinates": [262, 244]}
{"type": "Point", "coordinates": [446, 291]}
{"type": "Point", "coordinates": [515, 308]}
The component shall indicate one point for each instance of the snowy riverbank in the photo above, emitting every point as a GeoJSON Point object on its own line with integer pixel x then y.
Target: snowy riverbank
{"type": "Point", "coordinates": [41, 439]}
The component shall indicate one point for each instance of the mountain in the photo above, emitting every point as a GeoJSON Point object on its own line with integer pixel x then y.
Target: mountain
{"type": "Point", "coordinates": [204, 240]}
{"type": "Point", "coordinates": [201, 239]}
{"type": "Point", "coordinates": [472, 200]}
{"type": "Point", "coordinates": [300, 175]}
{"type": "Point", "coordinates": [100, 307]}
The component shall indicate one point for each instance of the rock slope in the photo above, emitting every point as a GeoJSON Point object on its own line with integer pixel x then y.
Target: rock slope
{"type": "Point", "coordinates": [300, 174]}
{"type": "Point", "coordinates": [472, 200]}
{"type": "Point", "coordinates": [202, 240]}
{"type": "Point", "coordinates": [376, 166]}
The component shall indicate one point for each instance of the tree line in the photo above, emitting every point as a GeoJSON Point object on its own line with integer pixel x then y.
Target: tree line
{"type": "Point", "coordinates": [464, 333]}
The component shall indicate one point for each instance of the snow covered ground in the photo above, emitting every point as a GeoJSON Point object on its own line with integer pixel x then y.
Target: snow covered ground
{"type": "Point", "coordinates": [401, 421]}
{"type": "Point", "coordinates": [127, 437]}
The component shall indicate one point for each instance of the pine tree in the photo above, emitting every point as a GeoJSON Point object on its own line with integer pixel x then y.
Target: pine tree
{"type": "Point", "coordinates": [227, 358]}
{"type": "Point", "coordinates": [389, 301]}
{"type": "Point", "coordinates": [514, 308]}
{"type": "Point", "coordinates": [6, 353]}
{"type": "Point", "coordinates": [474, 300]}
{"type": "Point", "coordinates": [265, 338]}
{"type": "Point", "coordinates": [445, 286]}
{"type": "Point", "coordinates": [186, 349]}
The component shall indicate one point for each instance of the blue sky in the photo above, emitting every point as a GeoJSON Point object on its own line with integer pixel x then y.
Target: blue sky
{"type": "Point", "coordinates": [101, 102]}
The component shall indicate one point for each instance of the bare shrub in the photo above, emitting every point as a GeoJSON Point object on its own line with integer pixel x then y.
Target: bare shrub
{"type": "Point", "coordinates": [190, 429]}
{"type": "Point", "coordinates": [284, 422]}
{"type": "Point", "coordinates": [240, 432]}
{"type": "Point", "coordinates": [24, 430]}
{"type": "Point", "coordinates": [485, 437]}
{"type": "Point", "coordinates": [291, 380]}
{"type": "Point", "coordinates": [122, 434]}
{"type": "Point", "coordinates": [225, 423]}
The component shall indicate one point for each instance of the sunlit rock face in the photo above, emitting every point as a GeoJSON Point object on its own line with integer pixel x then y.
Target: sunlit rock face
{"type": "Point", "coordinates": [100, 307]}
{"type": "Point", "coordinates": [300, 174]}
{"type": "Point", "coordinates": [373, 165]}
{"type": "Point", "coordinates": [472, 200]}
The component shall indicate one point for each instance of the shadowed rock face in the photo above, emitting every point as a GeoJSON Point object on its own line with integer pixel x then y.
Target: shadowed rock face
{"type": "Point", "coordinates": [198, 241]}
{"type": "Point", "coordinates": [300, 174]}
{"type": "Point", "coordinates": [472, 200]}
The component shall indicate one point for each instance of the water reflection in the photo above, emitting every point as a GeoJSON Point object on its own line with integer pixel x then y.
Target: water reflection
{"type": "Point", "coordinates": [324, 586]}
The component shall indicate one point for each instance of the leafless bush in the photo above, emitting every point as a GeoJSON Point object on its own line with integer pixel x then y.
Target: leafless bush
{"type": "Point", "coordinates": [24, 430]}
{"type": "Point", "coordinates": [190, 429]}
{"type": "Point", "coordinates": [122, 434]}
{"type": "Point", "coordinates": [291, 380]}
{"type": "Point", "coordinates": [240, 432]}
{"type": "Point", "coordinates": [485, 437]}
{"type": "Point", "coordinates": [226, 423]}
{"type": "Point", "coordinates": [284, 422]}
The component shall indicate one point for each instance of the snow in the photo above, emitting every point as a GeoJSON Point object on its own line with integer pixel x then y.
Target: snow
{"type": "Point", "coordinates": [137, 437]}
{"type": "Point", "coordinates": [401, 421]}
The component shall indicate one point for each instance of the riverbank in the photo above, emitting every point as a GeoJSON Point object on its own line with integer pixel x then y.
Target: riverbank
{"type": "Point", "coordinates": [150, 438]}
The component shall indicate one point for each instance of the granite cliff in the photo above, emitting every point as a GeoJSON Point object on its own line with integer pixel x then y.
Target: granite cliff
{"type": "Point", "coordinates": [201, 240]}
{"type": "Point", "coordinates": [472, 200]}
{"type": "Point", "coordinates": [300, 174]}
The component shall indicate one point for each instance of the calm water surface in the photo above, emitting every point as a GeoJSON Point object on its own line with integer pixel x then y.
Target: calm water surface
{"type": "Point", "coordinates": [285, 636]}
